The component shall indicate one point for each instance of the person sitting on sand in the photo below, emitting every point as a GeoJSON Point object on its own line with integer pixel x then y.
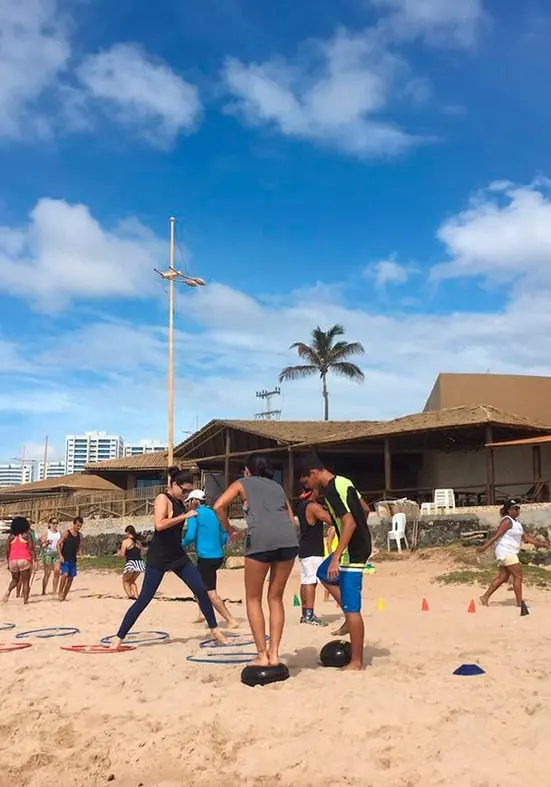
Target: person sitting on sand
{"type": "Point", "coordinates": [344, 581]}
{"type": "Point", "coordinates": [271, 544]}
{"type": "Point", "coordinates": [50, 556]}
{"type": "Point", "coordinates": [21, 557]}
{"type": "Point", "coordinates": [508, 539]}
{"type": "Point", "coordinates": [68, 549]}
{"type": "Point", "coordinates": [131, 551]}
{"type": "Point", "coordinates": [165, 553]}
{"type": "Point", "coordinates": [205, 531]}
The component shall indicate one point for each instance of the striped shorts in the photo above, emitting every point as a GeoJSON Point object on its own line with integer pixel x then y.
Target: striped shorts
{"type": "Point", "coordinates": [134, 565]}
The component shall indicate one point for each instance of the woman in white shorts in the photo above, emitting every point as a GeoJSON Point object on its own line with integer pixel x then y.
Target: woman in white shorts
{"type": "Point", "coordinates": [508, 539]}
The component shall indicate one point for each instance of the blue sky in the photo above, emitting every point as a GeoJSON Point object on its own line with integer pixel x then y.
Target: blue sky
{"type": "Point", "coordinates": [378, 163]}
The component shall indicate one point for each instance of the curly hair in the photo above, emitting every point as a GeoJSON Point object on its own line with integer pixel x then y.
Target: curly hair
{"type": "Point", "coordinates": [19, 525]}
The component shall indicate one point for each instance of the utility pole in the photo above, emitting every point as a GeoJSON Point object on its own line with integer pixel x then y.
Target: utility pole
{"type": "Point", "coordinates": [172, 276]}
{"type": "Point", "coordinates": [268, 414]}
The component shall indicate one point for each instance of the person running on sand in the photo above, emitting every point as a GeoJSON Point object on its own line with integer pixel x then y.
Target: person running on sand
{"type": "Point", "coordinates": [50, 556]}
{"type": "Point", "coordinates": [131, 551]}
{"type": "Point", "coordinates": [68, 549]}
{"type": "Point", "coordinates": [21, 557]}
{"type": "Point", "coordinates": [165, 553]}
{"type": "Point", "coordinates": [271, 544]}
{"type": "Point", "coordinates": [343, 580]}
{"type": "Point", "coordinates": [508, 539]}
{"type": "Point", "coordinates": [205, 531]}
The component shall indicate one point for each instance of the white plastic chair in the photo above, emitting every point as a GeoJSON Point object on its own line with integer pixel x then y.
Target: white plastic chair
{"type": "Point", "coordinates": [398, 531]}
{"type": "Point", "coordinates": [427, 509]}
{"type": "Point", "coordinates": [444, 498]}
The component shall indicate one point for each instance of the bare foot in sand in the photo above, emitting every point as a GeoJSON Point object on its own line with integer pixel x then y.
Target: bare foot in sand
{"type": "Point", "coordinates": [218, 635]}
{"type": "Point", "coordinates": [116, 643]}
{"type": "Point", "coordinates": [484, 601]}
{"type": "Point", "coordinates": [232, 624]}
{"type": "Point", "coordinates": [354, 665]}
{"type": "Point", "coordinates": [261, 660]}
{"type": "Point", "coordinates": [342, 631]}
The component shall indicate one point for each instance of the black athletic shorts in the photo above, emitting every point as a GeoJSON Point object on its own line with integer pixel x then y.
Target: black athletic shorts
{"type": "Point", "coordinates": [281, 555]}
{"type": "Point", "coordinates": [208, 566]}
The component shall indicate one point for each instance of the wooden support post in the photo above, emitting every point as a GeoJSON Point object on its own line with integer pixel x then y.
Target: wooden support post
{"type": "Point", "coordinates": [536, 464]}
{"type": "Point", "coordinates": [227, 459]}
{"type": "Point", "coordinates": [290, 485]}
{"type": "Point", "coordinates": [388, 469]}
{"type": "Point", "coordinates": [490, 470]}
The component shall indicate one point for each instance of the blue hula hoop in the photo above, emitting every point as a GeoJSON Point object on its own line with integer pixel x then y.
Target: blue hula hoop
{"type": "Point", "coordinates": [56, 631]}
{"type": "Point", "coordinates": [240, 660]}
{"type": "Point", "coordinates": [212, 643]}
{"type": "Point", "coordinates": [161, 635]}
{"type": "Point", "coordinates": [7, 626]}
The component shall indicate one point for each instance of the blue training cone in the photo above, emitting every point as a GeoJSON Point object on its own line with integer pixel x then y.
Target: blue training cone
{"type": "Point", "coordinates": [469, 669]}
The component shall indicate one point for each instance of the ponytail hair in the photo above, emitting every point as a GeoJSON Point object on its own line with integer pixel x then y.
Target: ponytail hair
{"type": "Point", "coordinates": [178, 476]}
{"type": "Point", "coordinates": [259, 465]}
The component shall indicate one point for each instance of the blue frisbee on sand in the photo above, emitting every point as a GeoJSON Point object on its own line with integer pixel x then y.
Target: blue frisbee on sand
{"type": "Point", "coordinates": [469, 669]}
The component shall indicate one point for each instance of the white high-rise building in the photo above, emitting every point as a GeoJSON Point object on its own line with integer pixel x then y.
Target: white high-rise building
{"type": "Point", "coordinates": [53, 470]}
{"type": "Point", "coordinates": [15, 473]}
{"type": "Point", "coordinates": [144, 447]}
{"type": "Point", "coordinates": [91, 447]}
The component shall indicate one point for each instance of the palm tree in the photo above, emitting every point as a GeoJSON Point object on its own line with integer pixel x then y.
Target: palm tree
{"type": "Point", "coordinates": [325, 355]}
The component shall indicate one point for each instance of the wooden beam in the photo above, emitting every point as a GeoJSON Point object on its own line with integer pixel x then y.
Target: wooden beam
{"type": "Point", "coordinates": [490, 469]}
{"type": "Point", "coordinates": [388, 468]}
{"type": "Point", "coordinates": [227, 459]}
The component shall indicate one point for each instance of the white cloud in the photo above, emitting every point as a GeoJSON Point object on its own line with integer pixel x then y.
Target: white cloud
{"type": "Point", "coordinates": [132, 88]}
{"type": "Point", "coordinates": [335, 96]}
{"type": "Point", "coordinates": [388, 272]}
{"type": "Point", "coordinates": [34, 50]}
{"type": "Point", "coordinates": [43, 90]}
{"type": "Point", "coordinates": [504, 234]}
{"type": "Point", "coordinates": [63, 253]}
{"type": "Point", "coordinates": [440, 22]}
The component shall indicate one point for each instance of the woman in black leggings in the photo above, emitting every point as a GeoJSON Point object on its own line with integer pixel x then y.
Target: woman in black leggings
{"type": "Point", "coordinates": [165, 553]}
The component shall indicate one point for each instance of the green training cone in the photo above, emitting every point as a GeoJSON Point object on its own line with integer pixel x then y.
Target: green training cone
{"type": "Point", "coordinates": [296, 601]}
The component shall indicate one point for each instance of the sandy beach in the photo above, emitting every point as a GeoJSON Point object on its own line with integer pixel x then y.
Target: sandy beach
{"type": "Point", "coordinates": [152, 718]}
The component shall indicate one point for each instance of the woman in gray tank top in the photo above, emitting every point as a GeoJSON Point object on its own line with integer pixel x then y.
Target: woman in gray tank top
{"type": "Point", "coordinates": [271, 543]}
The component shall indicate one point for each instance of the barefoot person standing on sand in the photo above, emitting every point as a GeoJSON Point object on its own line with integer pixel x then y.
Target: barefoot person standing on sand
{"type": "Point", "coordinates": [343, 580]}
{"type": "Point", "coordinates": [21, 557]}
{"type": "Point", "coordinates": [508, 539]}
{"type": "Point", "coordinates": [271, 544]}
{"type": "Point", "coordinates": [166, 554]}
{"type": "Point", "coordinates": [68, 548]}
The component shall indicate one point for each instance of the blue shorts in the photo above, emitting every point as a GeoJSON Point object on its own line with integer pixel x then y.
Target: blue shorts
{"type": "Point", "coordinates": [69, 569]}
{"type": "Point", "coordinates": [350, 582]}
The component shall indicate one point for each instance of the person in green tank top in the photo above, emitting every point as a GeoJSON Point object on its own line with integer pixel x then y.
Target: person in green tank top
{"type": "Point", "coordinates": [341, 572]}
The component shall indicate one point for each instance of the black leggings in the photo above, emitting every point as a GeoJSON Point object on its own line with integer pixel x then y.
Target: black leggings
{"type": "Point", "coordinates": [151, 581]}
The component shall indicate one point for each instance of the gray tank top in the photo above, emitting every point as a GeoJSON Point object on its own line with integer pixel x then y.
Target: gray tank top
{"type": "Point", "coordinates": [267, 516]}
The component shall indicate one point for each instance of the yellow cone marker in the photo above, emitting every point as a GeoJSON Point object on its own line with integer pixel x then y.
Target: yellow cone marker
{"type": "Point", "coordinates": [381, 605]}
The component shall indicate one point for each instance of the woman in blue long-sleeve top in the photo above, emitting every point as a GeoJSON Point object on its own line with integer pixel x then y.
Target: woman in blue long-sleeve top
{"type": "Point", "coordinates": [205, 530]}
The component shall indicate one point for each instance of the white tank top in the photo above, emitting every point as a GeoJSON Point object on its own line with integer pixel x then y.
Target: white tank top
{"type": "Point", "coordinates": [510, 541]}
{"type": "Point", "coordinates": [52, 540]}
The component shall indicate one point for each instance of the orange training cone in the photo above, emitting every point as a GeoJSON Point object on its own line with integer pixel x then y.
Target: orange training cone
{"type": "Point", "coordinates": [425, 605]}
{"type": "Point", "coordinates": [472, 606]}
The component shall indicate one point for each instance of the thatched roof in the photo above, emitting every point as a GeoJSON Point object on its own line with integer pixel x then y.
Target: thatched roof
{"type": "Point", "coordinates": [451, 418]}
{"type": "Point", "coordinates": [74, 482]}
{"type": "Point", "coordinates": [152, 460]}
{"type": "Point", "coordinates": [292, 432]}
